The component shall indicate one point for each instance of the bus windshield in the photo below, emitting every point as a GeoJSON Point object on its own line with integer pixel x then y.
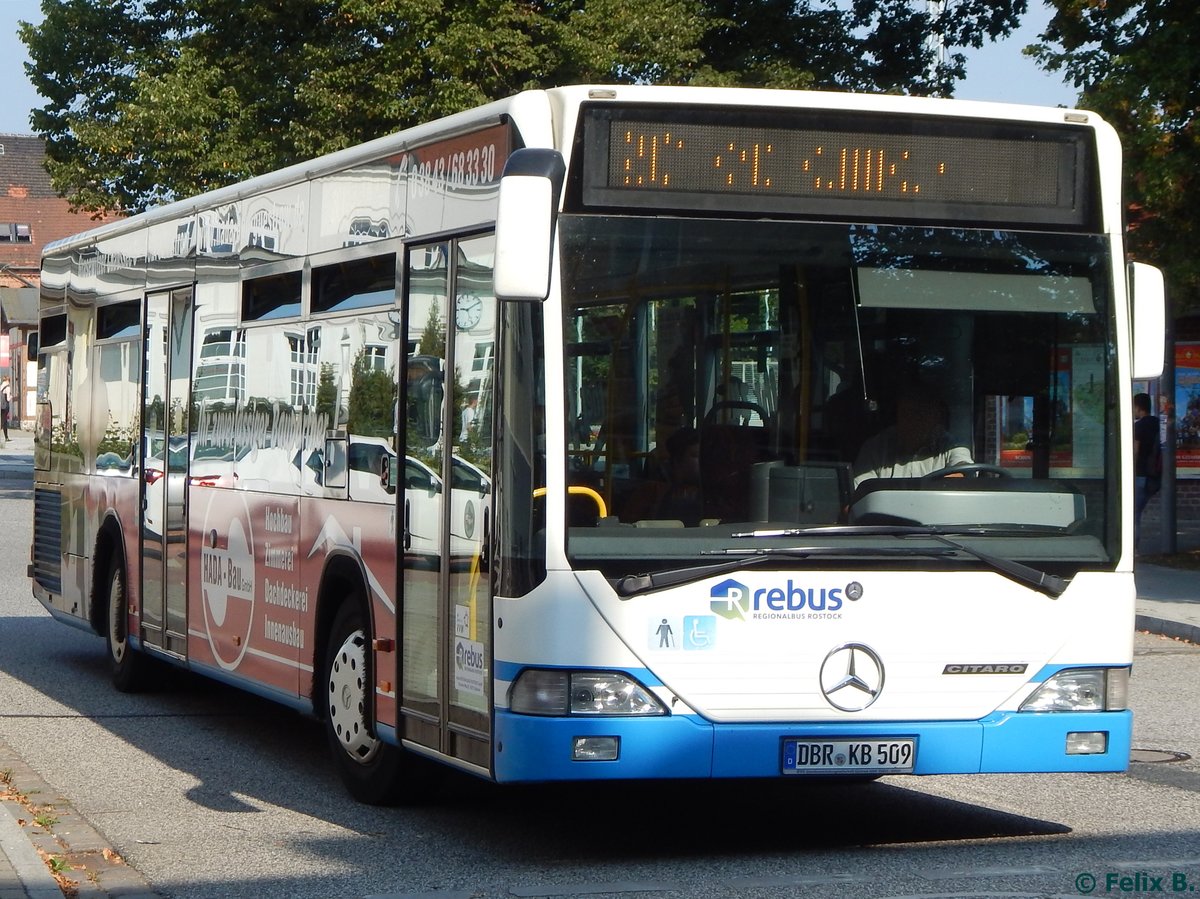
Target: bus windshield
{"type": "Point", "coordinates": [735, 384]}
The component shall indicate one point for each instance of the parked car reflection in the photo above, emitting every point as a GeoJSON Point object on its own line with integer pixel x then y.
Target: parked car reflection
{"type": "Point", "coordinates": [165, 475]}
{"type": "Point", "coordinates": [372, 478]}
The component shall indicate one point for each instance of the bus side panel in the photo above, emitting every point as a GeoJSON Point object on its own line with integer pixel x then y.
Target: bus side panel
{"type": "Point", "coordinates": [120, 499]}
{"type": "Point", "coordinates": [81, 505]}
{"type": "Point", "coordinates": [259, 560]}
{"type": "Point", "coordinates": [68, 497]}
{"type": "Point", "coordinates": [248, 595]}
{"type": "Point", "coordinates": [364, 532]}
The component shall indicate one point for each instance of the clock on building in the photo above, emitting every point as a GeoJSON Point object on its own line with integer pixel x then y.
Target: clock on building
{"type": "Point", "coordinates": [467, 311]}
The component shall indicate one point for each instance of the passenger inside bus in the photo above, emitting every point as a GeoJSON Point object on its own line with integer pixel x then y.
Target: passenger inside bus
{"type": "Point", "coordinates": [682, 499]}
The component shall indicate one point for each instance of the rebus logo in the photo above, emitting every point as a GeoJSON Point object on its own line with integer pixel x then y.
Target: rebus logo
{"type": "Point", "coordinates": [735, 601]}
{"type": "Point", "coordinates": [731, 600]}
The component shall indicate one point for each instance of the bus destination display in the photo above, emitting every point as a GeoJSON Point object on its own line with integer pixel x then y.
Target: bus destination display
{"type": "Point", "coordinates": [654, 161]}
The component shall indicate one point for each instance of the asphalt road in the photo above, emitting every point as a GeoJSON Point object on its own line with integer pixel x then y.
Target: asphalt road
{"type": "Point", "coordinates": [209, 792]}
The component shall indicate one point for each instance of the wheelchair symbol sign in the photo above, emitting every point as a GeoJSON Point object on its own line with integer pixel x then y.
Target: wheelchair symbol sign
{"type": "Point", "coordinates": [699, 631]}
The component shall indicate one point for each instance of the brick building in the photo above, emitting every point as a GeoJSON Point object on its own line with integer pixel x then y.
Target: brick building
{"type": "Point", "coordinates": [31, 215]}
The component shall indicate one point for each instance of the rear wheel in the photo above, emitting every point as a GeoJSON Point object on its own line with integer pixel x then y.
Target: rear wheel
{"type": "Point", "coordinates": [374, 772]}
{"type": "Point", "coordinates": [126, 666]}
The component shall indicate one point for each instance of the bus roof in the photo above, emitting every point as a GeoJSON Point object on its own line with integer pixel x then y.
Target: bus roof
{"type": "Point", "coordinates": [536, 111]}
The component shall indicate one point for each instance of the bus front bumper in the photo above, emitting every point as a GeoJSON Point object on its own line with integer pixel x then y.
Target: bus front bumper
{"type": "Point", "coordinates": [533, 749]}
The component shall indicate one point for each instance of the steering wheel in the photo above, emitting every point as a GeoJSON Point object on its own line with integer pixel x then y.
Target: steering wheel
{"type": "Point", "coordinates": [978, 469]}
{"type": "Point", "coordinates": [735, 404]}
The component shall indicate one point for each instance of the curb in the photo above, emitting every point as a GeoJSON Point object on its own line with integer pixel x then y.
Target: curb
{"type": "Point", "coordinates": [95, 869]}
{"type": "Point", "coordinates": [17, 847]}
{"type": "Point", "coordinates": [1163, 627]}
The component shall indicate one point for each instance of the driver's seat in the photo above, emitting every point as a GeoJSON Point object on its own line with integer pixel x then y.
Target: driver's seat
{"type": "Point", "coordinates": [728, 452]}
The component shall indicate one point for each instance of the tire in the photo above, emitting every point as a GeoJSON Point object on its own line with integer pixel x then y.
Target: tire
{"type": "Point", "coordinates": [127, 667]}
{"type": "Point", "coordinates": [374, 772]}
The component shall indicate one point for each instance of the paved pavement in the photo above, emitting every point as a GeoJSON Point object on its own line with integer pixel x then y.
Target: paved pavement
{"type": "Point", "coordinates": [1168, 604]}
{"type": "Point", "coordinates": [16, 456]}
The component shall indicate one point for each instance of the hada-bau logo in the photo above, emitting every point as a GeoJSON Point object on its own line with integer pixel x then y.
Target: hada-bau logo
{"type": "Point", "coordinates": [737, 602]}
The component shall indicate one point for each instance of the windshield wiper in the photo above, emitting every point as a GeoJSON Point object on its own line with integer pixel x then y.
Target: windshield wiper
{"type": "Point", "coordinates": [634, 584]}
{"type": "Point", "coordinates": [1050, 584]}
{"type": "Point", "coordinates": [904, 530]}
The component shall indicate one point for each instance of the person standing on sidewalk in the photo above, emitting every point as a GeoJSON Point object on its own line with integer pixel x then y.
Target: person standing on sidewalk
{"type": "Point", "coordinates": [5, 398]}
{"type": "Point", "coordinates": [1146, 469]}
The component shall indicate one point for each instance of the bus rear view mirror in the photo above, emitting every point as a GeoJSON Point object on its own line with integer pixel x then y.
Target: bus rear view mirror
{"type": "Point", "coordinates": [525, 217]}
{"type": "Point", "coordinates": [1148, 301]}
{"type": "Point", "coordinates": [337, 459]}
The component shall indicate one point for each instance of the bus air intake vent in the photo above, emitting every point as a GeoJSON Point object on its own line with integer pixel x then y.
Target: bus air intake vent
{"type": "Point", "coordinates": [47, 539]}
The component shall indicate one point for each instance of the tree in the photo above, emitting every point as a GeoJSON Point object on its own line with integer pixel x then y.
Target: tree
{"type": "Point", "coordinates": [864, 45]}
{"type": "Point", "coordinates": [1135, 64]}
{"type": "Point", "coordinates": [327, 396]}
{"type": "Point", "coordinates": [372, 401]}
{"type": "Point", "coordinates": [148, 100]}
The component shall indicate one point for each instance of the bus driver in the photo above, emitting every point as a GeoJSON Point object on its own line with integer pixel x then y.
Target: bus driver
{"type": "Point", "coordinates": [916, 445]}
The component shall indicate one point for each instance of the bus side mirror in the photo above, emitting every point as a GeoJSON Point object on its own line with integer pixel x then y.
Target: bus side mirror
{"type": "Point", "coordinates": [337, 460]}
{"type": "Point", "coordinates": [525, 218]}
{"type": "Point", "coordinates": [1148, 304]}
{"type": "Point", "coordinates": [389, 472]}
{"type": "Point", "coordinates": [31, 347]}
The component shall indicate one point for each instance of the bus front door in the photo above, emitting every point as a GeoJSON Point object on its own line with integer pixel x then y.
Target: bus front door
{"type": "Point", "coordinates": [166, 399]}
{"type": "Point", "coordinates": [447, 498]}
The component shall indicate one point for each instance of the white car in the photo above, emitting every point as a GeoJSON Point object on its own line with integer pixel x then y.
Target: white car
{"type": "Point", "coordinates": [371, 461]}
{"type": "Point", "coordinates": [166, 477]}
{"type": "Point", "coordinates": [470, 506]}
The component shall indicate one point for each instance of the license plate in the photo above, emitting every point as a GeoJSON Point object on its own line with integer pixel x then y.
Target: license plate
{"type": "Point", "coordinates": [879, 756]}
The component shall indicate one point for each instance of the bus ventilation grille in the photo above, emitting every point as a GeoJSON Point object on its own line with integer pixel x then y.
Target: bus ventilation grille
{"type": "Point", "coordinates": [47, 539]}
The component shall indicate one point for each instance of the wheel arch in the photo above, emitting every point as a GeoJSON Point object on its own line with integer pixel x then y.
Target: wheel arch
{"type": "Point", "coordinates": [343, 580]}
{"type": "Point", "coordinates": [109, 549]}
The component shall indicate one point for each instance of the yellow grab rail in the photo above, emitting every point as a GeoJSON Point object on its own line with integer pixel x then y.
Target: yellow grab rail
{"type": "Point", "coordinates": [579, 490]}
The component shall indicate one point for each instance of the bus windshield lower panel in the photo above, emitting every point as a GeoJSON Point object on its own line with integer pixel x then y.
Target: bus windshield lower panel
{"type": "Point", "coordinates": [736, 385]}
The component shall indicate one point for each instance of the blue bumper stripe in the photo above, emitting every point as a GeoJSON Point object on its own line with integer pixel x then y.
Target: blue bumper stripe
{"type": "Point", "coordinates": [539, 749]}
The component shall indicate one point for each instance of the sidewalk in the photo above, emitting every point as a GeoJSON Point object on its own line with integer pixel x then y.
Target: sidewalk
{"type": "Point", "coordinates": [87, 861]}
{"type": "Point", "coordinates": [16, 461]}
{"type": "Point", "coordinates": [23, 874]}
{"type": "Point", "coordinates": [1168, 604]}
{"type": "Point", "coordinates": [1169, 598]}
{"type": "Point", "coordinates": [89, 867]}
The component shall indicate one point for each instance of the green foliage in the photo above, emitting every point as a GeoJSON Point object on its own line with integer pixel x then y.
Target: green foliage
{"type": "Point", "coordinates": [118, 439]}
{"type": "Point", "coordinates": [433, 338]}
{"type": "Point", "coordinates": [867, 45]}
{"type": "Point", "coordinates": [327, 397]}
{"type": "Point", "coordinates": [149, 100]}
{"type": "Point", "coordinates": [372, 401]}
{"type": "Point", "coordinates": [1135, 63]}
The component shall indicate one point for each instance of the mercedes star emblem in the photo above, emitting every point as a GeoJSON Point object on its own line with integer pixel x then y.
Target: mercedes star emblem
{"type": "Point", "coordinates": [851, 677]}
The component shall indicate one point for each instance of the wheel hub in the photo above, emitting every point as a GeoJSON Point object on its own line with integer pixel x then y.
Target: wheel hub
{"type": "Point", "coordinates": [348, 699]}
{"type": "Point", "coordinates": [116, 627]}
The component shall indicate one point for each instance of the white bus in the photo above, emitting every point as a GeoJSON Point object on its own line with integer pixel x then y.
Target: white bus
{"type": "Point", "coordinates": [531, 441]}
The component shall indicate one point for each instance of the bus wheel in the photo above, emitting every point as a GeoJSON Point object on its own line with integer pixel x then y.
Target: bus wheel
{"type": "Point", "coordinates": [373, 771]}
{"type": "Point", "coordinates": [126, 666]}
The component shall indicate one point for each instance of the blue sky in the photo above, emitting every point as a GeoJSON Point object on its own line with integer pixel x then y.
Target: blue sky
{"type": "Point", "coordinates": [996, 72]}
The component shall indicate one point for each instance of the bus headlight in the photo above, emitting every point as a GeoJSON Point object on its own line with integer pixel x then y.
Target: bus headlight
{"type": "Point", "coordinates": [1081, 690]}
{"type": "Point", "coordinates": [538, 691]}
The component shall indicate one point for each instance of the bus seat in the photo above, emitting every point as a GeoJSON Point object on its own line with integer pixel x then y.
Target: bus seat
{"type": "Point", "coordinates": [728, 453]}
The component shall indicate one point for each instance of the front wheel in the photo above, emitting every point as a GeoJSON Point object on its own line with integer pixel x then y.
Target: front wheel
{"type": "Point", "coordinates": [374, 772]}
{"type": "Point", "coordinates": [127, 667]}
